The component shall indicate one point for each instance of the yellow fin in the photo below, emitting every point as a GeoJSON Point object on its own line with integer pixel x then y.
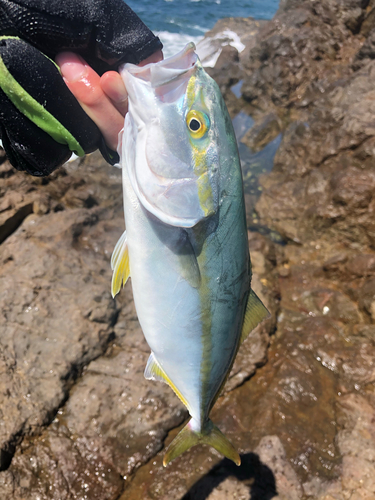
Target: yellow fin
{"type": "Point", "coordinates": [117, 249]}
{"type": "Point", "coordinates": [154, 371]}
{"type": "Point", "coordinates": [120, 265]}
{"type": "Point", "coordinates": [210, 435]}
{"type": "Point", "coordinates": [254, 314]}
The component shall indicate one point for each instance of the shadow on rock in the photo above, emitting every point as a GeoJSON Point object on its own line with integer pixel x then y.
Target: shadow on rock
{"type": "Point", "coordinates": [252, 476]}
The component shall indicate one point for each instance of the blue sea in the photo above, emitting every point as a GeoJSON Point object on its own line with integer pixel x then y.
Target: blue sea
{"type": "Point", "coordinates": [177, 22]}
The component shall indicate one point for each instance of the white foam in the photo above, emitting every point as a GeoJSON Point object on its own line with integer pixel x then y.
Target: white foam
{"type": "Point", "coordinates": [235, 40]}
{"type": "Point", "coordinates": [209, 49]}
{"type": "Point", "coordinates": [175, 42]}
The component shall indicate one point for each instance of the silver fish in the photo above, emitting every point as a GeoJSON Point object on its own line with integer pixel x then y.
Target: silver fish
{"type": "Point", "coordinates": [185, 245]}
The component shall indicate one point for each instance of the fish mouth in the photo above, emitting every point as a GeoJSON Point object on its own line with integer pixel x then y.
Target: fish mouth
{"type": "Point", "coordinates": [167, 70]}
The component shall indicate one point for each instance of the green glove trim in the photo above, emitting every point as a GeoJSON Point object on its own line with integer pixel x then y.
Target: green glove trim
{"type": "Point", "coordinates": [35, 112]}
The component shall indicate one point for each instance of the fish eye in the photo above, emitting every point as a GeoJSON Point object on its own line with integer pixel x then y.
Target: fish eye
{"type": "Point", "coordinates": [194, 125]}
{"type": "Point", "coordinates": [197, 123]}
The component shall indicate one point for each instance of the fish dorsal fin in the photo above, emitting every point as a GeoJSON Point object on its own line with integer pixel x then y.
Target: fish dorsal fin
{"type": "Point", "coordinates": [154, 371]}
{"type": "Point", "coordinates": [254, 314]}
{"type": "Point", "coordinates": [120, 265]}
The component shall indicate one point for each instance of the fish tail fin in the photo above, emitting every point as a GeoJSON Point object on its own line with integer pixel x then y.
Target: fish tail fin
{"type": "Point", "coordinates": [210, 434]}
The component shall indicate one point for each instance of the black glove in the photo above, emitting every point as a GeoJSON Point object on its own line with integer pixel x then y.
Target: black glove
{"type": "Point", "coordinates": [40, 120]}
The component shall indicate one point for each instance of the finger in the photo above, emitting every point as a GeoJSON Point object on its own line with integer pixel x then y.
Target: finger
{"type": "Point", "coordinates": [84, 83]}
{"type": "Point", "coordinates": [113, 86]}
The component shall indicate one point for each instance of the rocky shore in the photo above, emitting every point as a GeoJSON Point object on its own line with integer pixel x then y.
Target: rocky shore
{"type": "Point", "coordinates": [77, 418]}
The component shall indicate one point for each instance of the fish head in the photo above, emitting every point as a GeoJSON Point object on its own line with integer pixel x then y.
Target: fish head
{"type": "Point", "coordinates": [172, 138]}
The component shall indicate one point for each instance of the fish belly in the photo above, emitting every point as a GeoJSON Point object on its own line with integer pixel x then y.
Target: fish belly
{"type": "Point", "coordinates": [168, 308]}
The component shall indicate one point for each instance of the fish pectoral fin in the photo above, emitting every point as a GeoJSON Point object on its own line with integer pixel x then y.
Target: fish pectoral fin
{"type": "Point", "coordinates": [154, 371]}
{"type": "Point", "coordinates": [190, 269]}
{"type": "Point", "coordinates": [120, 265]}
{"type": "Point", "coordinates": [255, 312]}
{"type": "Point", "coordinates": [210, 434]}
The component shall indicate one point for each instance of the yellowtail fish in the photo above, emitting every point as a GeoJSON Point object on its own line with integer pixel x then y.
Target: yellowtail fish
{"type": "Point", "coordinates": [185, 245]}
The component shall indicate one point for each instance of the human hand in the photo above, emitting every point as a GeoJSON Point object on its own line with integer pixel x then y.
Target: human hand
{"type": "Point", "coordinates": [104, 99]}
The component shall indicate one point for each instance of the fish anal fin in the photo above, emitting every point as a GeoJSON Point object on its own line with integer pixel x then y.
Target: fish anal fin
{"type": "Point", "coordinates": [154, 371]}
{"type": "Point", "coordinates": [210, 434]}
{"type": "Point", "coordinates": [120, 265]}
{"type": "Point", "coordinates": [255, 312]}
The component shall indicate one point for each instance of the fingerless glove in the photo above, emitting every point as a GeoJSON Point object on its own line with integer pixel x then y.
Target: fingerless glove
{"type": "Point", "coordinates": [41, 122]}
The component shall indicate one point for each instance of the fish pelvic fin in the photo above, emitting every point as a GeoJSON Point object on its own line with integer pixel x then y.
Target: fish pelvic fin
{"type": "Point", "coordinates": [255, 312]}
{"type": "Point", "coordinates": [154, 371]}
{"type": "Point", "coordinates": [120, 265]}
{"type": "Point", "coordinates": [209, 434]}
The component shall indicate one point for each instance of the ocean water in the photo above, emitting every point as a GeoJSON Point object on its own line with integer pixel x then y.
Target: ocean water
{"type": "Point", "coordinates": [178, 22]}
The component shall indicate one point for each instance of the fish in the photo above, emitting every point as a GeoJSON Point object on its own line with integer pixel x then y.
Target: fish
{"type": "Point", "coordinates": [185, 246]}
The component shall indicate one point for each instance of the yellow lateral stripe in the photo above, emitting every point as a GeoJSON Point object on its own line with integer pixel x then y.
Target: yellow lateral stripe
{"type": "Point", "coordinates": [206, 200]}
{"type": "Point", "coordinates": [190, 92]}
{"type": "Point", "coordinates": [199, 157]}
{"type": "Point", "coordinates": [205, 194]}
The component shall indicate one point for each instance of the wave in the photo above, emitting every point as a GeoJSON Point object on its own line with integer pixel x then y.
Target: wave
{"type": "Point", "coordinates": [174, 42]}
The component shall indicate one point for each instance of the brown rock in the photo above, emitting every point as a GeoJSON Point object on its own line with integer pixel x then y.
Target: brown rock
{"type": "Point", "coordinates": [47, 336]}
{"type": "Point", "coordinates": [262, 133]}
{"type": "Point", "coordinates": [272, 454]}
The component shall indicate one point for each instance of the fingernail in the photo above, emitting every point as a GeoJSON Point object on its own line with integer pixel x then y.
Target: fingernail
{"type": "Point", "coordinates": [72, 67]}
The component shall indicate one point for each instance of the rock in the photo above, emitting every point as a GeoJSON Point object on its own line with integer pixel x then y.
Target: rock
{"type": "Point", "coordinates": [275, 67]}
{"type": "Point", "coordinates": [361, 265]}
{"type": "Point", "coordinates": [12, 219]}
{"type": "Point", "coordinates": [356, 441]}
{"type": "Point", "coordinates": [49, 303]}
{"type": "Point", "coordinates": [334, 266]}
{"type": "Point", "coordinates": [368, 22]}
{"type": "Point", "coordinates": [272, 454]}
{"type": "Point", "coordinates": [367, 295]}
{"type": "Point", "coordinates": [366, 52]}
{"type": "Point", "coordinates": [46, 296]}
{"type": "Point", "coordinates": [226, 71]}
{"type": "Point", "coordinates": [230, 488]}
{"type": "Point", "coordinates": [262, 133]}
{"type": "Point", "coordinates": [325, 187]}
